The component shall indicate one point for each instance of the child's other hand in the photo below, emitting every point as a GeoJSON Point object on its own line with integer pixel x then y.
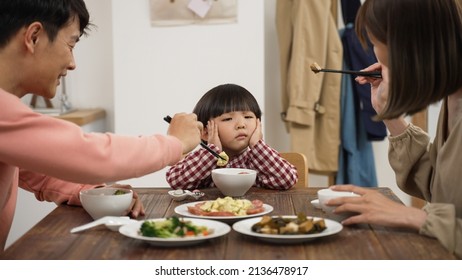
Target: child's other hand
{"type": "Point", "coordinates": [213, 137]}
{"type": "Point", "coordinates": [257, 134]}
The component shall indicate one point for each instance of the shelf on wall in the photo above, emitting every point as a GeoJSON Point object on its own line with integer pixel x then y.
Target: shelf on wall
{"type": "Point", "coordinates": [83, 116]}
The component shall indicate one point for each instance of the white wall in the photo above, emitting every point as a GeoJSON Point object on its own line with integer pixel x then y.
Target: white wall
{"type": "Point", "coordinates": [163, 70]}
{"type": "Point", "coordinates": [275, 131]}
{"type": "Point", "coordinates": [91, 85]}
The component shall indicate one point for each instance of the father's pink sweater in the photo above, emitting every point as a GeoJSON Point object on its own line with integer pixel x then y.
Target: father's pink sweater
{"type": "Point", "coordinates": [55, 159]}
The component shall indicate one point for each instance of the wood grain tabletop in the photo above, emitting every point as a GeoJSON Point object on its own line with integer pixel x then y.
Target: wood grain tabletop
{"type": "Point", "coordinates": [51, 237]}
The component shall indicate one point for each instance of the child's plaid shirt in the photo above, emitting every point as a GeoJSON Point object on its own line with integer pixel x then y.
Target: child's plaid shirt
{"type": "Point", "coordinates": [195, 170]}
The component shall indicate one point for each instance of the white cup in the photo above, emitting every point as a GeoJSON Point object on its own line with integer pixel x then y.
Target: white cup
{"type": "Point", "coordinates": [324, 195]}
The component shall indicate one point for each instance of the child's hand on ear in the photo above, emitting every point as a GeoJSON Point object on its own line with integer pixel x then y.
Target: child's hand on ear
{"type": "Point", "coordinates": [257, 134]}
{"type": "Point", "coordinates": [213, 137]}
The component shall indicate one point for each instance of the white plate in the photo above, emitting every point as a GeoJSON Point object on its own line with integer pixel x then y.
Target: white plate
{"type": "Point", "coordinates": [183, 210]}
{"type": "Point", "coordinates": [219, 229]}
{"type": "Point", "coordinates": [245, 227]}
{"type": "Point", "coordinates": [316, 204]}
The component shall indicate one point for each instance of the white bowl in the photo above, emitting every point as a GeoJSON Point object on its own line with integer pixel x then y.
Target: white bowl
{"type": "Point", "coordinates": [233, 181]}
{"type": "Point", "coordinates": [325, 195]}
{"type": "Point", "coordinates": [103, 202]}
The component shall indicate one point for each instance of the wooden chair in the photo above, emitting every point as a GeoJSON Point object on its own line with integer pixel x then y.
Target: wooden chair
{"type": "Point", "coordinates": [331, 175]}
{"type": "Point", "coordinates": [300, 162]}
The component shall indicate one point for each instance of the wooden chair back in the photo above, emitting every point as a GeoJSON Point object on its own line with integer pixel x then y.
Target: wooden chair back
{"type": "Point", "coordinates": [331, 175]}
{"type": "Point", "coordinates": [300, 162]}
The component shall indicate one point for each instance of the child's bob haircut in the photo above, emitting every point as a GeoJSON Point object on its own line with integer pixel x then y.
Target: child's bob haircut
{"type": "Point", "coordinates": [224, 99]}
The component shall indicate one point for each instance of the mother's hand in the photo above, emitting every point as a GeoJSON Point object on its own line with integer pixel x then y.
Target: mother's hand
{"type": "Point", "coordinates": [379, 86]}
{"type": "Point", "coordinates": [374, 208]}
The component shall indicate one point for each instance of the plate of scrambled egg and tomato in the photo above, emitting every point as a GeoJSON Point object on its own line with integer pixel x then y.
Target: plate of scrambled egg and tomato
{"type": "Point", "coordinates": [225, 209]}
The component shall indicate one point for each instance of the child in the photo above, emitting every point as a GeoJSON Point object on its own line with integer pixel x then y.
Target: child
{"type": "Point", "coordinates": [231, 118]}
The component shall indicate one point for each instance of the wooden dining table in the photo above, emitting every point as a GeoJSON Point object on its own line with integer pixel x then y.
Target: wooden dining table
{"type": "Point", "coordinates": [51, 238]}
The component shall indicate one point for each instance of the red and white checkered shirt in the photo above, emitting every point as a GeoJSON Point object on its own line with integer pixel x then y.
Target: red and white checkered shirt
{"type": "Point", "coordinates": [195, 170]}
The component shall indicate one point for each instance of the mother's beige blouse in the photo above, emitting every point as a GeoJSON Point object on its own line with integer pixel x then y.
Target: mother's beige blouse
{"type": "Point", "coordinates": [433, 171]}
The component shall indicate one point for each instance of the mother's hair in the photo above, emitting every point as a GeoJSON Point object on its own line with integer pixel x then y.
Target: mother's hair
{"type": "Point", "coordinates": [424, 41]}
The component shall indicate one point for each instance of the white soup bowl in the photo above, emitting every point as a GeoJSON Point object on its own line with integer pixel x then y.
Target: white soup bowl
{"type": "Point", "coordinates": [234, 181]}
{"type": "Point", "coordinates": [102, 202]}
{"type": "Point", "coordinates": [324, 195]}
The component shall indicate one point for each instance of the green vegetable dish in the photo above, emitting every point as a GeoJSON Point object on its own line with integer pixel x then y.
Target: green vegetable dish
{"type": "Point", "coordinates": [172, 227]}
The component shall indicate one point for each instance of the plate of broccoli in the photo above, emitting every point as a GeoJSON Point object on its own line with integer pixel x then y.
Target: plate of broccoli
{"type": "Point", "coordinates": [175, 231]}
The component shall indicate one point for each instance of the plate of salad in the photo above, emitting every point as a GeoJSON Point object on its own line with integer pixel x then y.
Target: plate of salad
{"type": "Point", "coordinates": [175, 231]}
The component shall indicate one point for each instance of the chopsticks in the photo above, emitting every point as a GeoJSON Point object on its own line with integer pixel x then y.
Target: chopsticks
{"type": "Point", "coordinates": [374, 74]}
{"type": "Point", "coordinates": [168, 119]}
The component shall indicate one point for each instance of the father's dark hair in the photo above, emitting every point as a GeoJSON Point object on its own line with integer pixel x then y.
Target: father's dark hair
{"type": "Point", "coordinates": [53, 14]}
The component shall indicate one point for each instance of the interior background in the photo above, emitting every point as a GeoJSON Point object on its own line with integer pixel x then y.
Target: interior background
{"type": "Point", "coordinates": [139, 74]}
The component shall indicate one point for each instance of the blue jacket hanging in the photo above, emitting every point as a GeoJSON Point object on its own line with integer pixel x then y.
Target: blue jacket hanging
{"type": "Point", "coordinates": [356, 58]}
{"type": "Point", "coordinates": [356, 157]}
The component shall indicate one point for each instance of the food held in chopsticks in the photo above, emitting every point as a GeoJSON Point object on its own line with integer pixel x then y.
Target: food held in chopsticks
{"type": "Point", "coordinates": [374, 74]}
{"type": "Point", "coordinates": [227, 206]}
{"type": "Point", "coordinates": [315, 68]}
{"type": "Point", "coordinates": [280, 225]}
{"type": "Point", "coordinates": [172, 227]}
{"type": "Point", "coordinates": [223, 159]}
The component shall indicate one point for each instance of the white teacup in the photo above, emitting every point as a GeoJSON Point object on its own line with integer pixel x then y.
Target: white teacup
{"type": "Point", "coordinates": [325, 195]}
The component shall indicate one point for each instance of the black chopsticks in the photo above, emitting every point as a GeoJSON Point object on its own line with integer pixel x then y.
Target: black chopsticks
{"type": "Point", "coordinates": [168, 119]}
{"type": "Point", "coordinates": [374, 74]}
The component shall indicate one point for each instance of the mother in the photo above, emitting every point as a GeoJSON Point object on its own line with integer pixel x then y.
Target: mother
{"type": "Point", "coordinates": [418, 44]}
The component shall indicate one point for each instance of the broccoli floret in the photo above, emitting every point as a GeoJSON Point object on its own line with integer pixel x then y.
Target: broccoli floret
{"type": "Point", "coordinates": [171, 227]}
{"type": "Point", "coordinates": [175, 222]}
{"type": "Point", "coordinates": [191, 227]}
{"type": "Point", "coordinates": [164, 233]}
{"type": "Point", "coordinates": [148, 229]}
{"type": "Point", "coordinates": [156, 229]}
